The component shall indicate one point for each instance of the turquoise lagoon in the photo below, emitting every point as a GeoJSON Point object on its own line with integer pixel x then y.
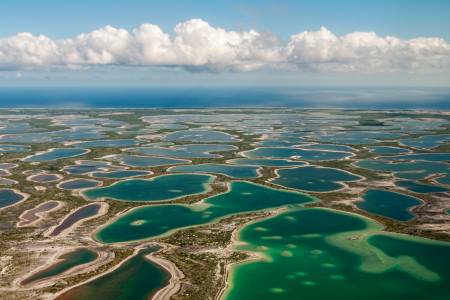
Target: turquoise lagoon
{"type": "Point", "coordinates": [324, 254]}
{"type": "Point", "coordinates": [151, 221]}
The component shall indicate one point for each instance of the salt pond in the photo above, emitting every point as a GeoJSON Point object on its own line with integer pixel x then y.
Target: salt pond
{"type": "Point", "coordinates": [388, 204]}
{"type": "Point", "coordinates": [64, 263]}
{"type": "Point", "coordinates": [233, 171]}
{"type": "Point", "coordinates": [159, 188]}
{"type": "Point", "coordinates": [323, 254]}
{"type": "Point", "coordinates": [137, 278]}
{"type": "Point", "coordinates": [151, 221]}
{"type": "Point", "coordinates": [314, 179]}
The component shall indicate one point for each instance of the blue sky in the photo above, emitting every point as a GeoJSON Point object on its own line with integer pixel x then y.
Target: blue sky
{"type": "Point", "coordinates": [66, 19]}
{"type": "Point", "coordinates": [402, 18]}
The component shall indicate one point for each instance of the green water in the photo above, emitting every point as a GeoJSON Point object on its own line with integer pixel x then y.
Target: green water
{"type": "Point", "coordinates": [315, 179]}
{"type": "Point", "coordinates": [318, 254]}
{"type": "Point", "coordinates": [388, 204]}
{"type": "Point", "coordinates": [151, 221]}
{"type": "Point", "coordinates": [159, 188]}
{"type": "Point", "coordinates": [137, 279]}
{"type": "Point", "coordinates": [67, 261]}
{"type": "Point", "coordinates": [233, 171]}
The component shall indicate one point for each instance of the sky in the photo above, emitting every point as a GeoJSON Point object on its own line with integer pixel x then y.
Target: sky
{"type": "Point", "coordinates": [225, 43]}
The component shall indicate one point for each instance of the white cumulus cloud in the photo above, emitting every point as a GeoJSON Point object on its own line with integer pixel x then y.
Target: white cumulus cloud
{"type": "Point", "coordinates": [197, 46]}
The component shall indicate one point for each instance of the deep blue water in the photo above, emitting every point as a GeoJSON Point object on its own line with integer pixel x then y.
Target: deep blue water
{"type": "Point", "coordinates": [202, 97]}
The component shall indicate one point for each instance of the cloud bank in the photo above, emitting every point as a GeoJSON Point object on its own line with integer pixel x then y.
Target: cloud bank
{"type": "Point", "coordinates": [195, 45]}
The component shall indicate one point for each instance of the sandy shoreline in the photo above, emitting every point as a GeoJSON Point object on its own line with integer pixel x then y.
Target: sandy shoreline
{"type": "Point", "coordinates": [175, 277]}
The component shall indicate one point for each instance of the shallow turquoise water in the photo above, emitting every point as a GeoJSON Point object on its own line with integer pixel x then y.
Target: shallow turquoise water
{"type": "Point", "coordinates": [314, 179]}
{"type": "Point", "coordinates": [155, 189]}
{"type": "Point", "coordinates": [388, 204]}
{"type": "Point", "coordinates": [321, 254]}
{"type": "Point", "coordinates": [151, 221]}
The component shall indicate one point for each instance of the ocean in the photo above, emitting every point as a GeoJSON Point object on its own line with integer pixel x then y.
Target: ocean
{"type": "Point", "coordinates": [208, 97]}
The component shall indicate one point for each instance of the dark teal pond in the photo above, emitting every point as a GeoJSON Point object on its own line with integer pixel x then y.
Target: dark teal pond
{"type": "Point", "coordinates": [388, 204]}
{"type": "Point", "coordinates": [422, 188]}
{"type": "Point", "coordinates": [314, 179]}
{"type": "Point", "coordinates": [151, 221]}
{"type": "Point", "coordinates": [9, 197]}
{"type": "Point", "coordinates": [233, 171]}
{"type": "Point", "coordinates": [159, 188]}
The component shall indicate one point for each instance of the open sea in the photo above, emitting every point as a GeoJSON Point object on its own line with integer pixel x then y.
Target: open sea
{"type": "Point", "coordinates": [206, 97]}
